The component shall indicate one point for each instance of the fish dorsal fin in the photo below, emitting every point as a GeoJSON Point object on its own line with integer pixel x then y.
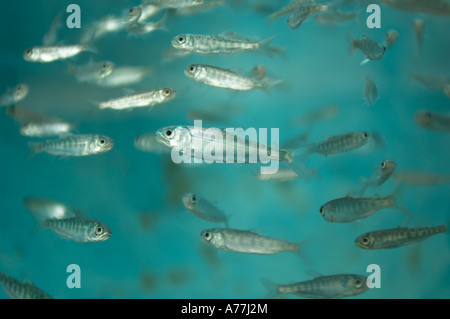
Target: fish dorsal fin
{"type": "Point", "coordinates": [313, 273]}
{"type": "Point", "coordinates": [233, 36]}
{"type": "Point", "coordinates": [128, 91]}
{"type": "Point", "coordinates": [256, 231]}
{"type": "Point", "coordinates": [65, 134]}
{"type": "Point", "coordinates": [240, 133]}
{"type": "Point", "coordinates": [237, 70]}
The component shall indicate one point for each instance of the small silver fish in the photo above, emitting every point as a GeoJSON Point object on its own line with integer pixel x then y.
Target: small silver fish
{"type": "Point", "coordinates": [370, 48]}
{"type": "Point", "coordinates": [142, 99]}
{"type": "Point", "coordinates": [398, 237]}
{"type": "Point", "coordinates": [44, 209]}
{"type": "Point", "coordinates": [283, 175]}
{"type": "Point", "coordinates": [46, 54]}
{"type": "Point", "coordinates": [223, 78]}
{"type": "Point", "coordinates": [219, 44]}
{"type": "Point", "coordinates": [203, 209]}
{"type": "Point", "coordinates": [108, 24]}
{"type": "Point", "coordinates": [303, 13]}
{"type": "Point", "coordinates": [420, 178]}
{"type": "Point", "coordinates": [79, 229]}
{"type": "Point", "coordinates": [339, 143]}
{"type": "Point", "coordinates": [247, 242]}
{"type": "Point", "coordinates": [434, 121]}
{"type": "Point", "coordinates": [435, 7]}
{"type": "Point", "coordinates": [191, 139]}
{"type": "Point", "coordinates": [124, 75]}
{"type": "Point", "coordinates": [289, 8]}
{"type": "Point", "coordinates": [74, 145]}
{"type": "Point", "coordinates": [173, 4]}
{"type": "Point", "coordinates": [318, 114]}
{"type": "Point", "coordinates": [23, 115]}
{"type": "Point", "coordinates": [331, 287]}
{"type": "Point", "coordinates": [92, 72]}
{"type": "Point", "coordinates": [14, 95]}
{"type": "Point", "coordinates": [46, 128]}
{"type": "Point", "coordinates": [370, 93]}
{"type": "Point", "coordinates": [142, 28]}
{"type": "Point", "coordinates": [19, 290]}
{"type": "Point", "coordinates": [205, 6]}
{"type": "Point", "coordinates": [381, 174]}
{"type": "Point", "coordinates": [348, 209]}
{"type": "Point", "coordinates": [432, 81]}
{"type": "Point", "coordinates": [186, 138]}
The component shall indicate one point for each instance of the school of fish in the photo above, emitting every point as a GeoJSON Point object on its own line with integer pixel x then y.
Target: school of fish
{"type": "Point", "coordinates": [66, 139]}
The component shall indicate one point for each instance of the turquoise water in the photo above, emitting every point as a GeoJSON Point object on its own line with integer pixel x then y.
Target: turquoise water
{"type": "Point", "coordinates": [155, 250]}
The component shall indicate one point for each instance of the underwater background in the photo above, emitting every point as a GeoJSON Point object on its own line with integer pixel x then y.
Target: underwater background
{"type": "Point", "coordinates": [155, 250]}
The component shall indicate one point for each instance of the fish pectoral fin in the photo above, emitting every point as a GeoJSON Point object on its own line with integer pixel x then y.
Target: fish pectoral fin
{"type": "Point", "coordinates": [364, 62]}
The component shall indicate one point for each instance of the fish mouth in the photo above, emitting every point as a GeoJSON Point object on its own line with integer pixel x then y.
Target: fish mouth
{"type": "Point", "coordinates": [108, 146]}
{"type": "Point", "coordinates": [104, 237]}
{"type": "Point", "coordinates": [187, 201]}
{"type": "Point", "coordinates": [159, 137]}
{"type": "Point", "coordinates": [175, 43]}
{"type": "Point", "coordinates": [188, 73]}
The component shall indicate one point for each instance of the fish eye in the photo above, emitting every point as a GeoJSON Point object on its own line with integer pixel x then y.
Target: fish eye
{"type": "Point", "coordinates": [358, 283]}
{"type": "Point", "coordinates": [99, 230]}
{"type": "Point", "coordinates": [192, 68]}
{"type": "Point", "coordinates": [365, 240]}
{"type": "Point", "coordinates": [104, 66]}
{"type": "Point", "coordinates": [181, 39]}
{"type": "Point", "coordinates": [383, 164]}
{"type": "Point", "coordinates": [321, 210]}
{"type": "Point", "coordinates": [168, 132]}
{"type": "Point", "coordinates": [365, 135]}
{"type": "Point", "coordinates": [102, 141]}
{"type": "Point", "coordinates": [193, 199]}
{"type": "Point", "coordinates": [28, 52]}
{"type": "Point", "coordinates": [166, 92]}
{"type": "Point", "coordinates": [207, 236]}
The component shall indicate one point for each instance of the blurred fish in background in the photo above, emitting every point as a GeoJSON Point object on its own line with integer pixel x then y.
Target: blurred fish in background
{"type": "Point", "coordinates": [291, 65]}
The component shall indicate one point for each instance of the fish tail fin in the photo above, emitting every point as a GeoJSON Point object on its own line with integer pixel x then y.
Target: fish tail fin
{"type": "Point", "coordinates": [447, 229]}
{"type": "Point", "coordinates": [35, 148]}
{"type": "Point", "coordinates": [296, 160]}
{"type": "Point", "coordinates": [364, 62]}
{"type": "Point", "coordinates": [271, 287]}
{"type": "Point", "coordinates": [264, 47]}
{"type": "Point", "coordinates": [161, 24]}
{"type": "Point", "coordinates": [88, 43]}
{"type": "Point", "coordinates": [299, 251]}
{"type": "Point", "coordinates": [268, 82]}
{"type": "Point", "coordinates": [365, 184]}
{"type": "Point", "coordinates": [352, 47]}
{"type": "Point", "coordinates": [272, 18]}
{"type": "Point", "coordinates": [400, 206]}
